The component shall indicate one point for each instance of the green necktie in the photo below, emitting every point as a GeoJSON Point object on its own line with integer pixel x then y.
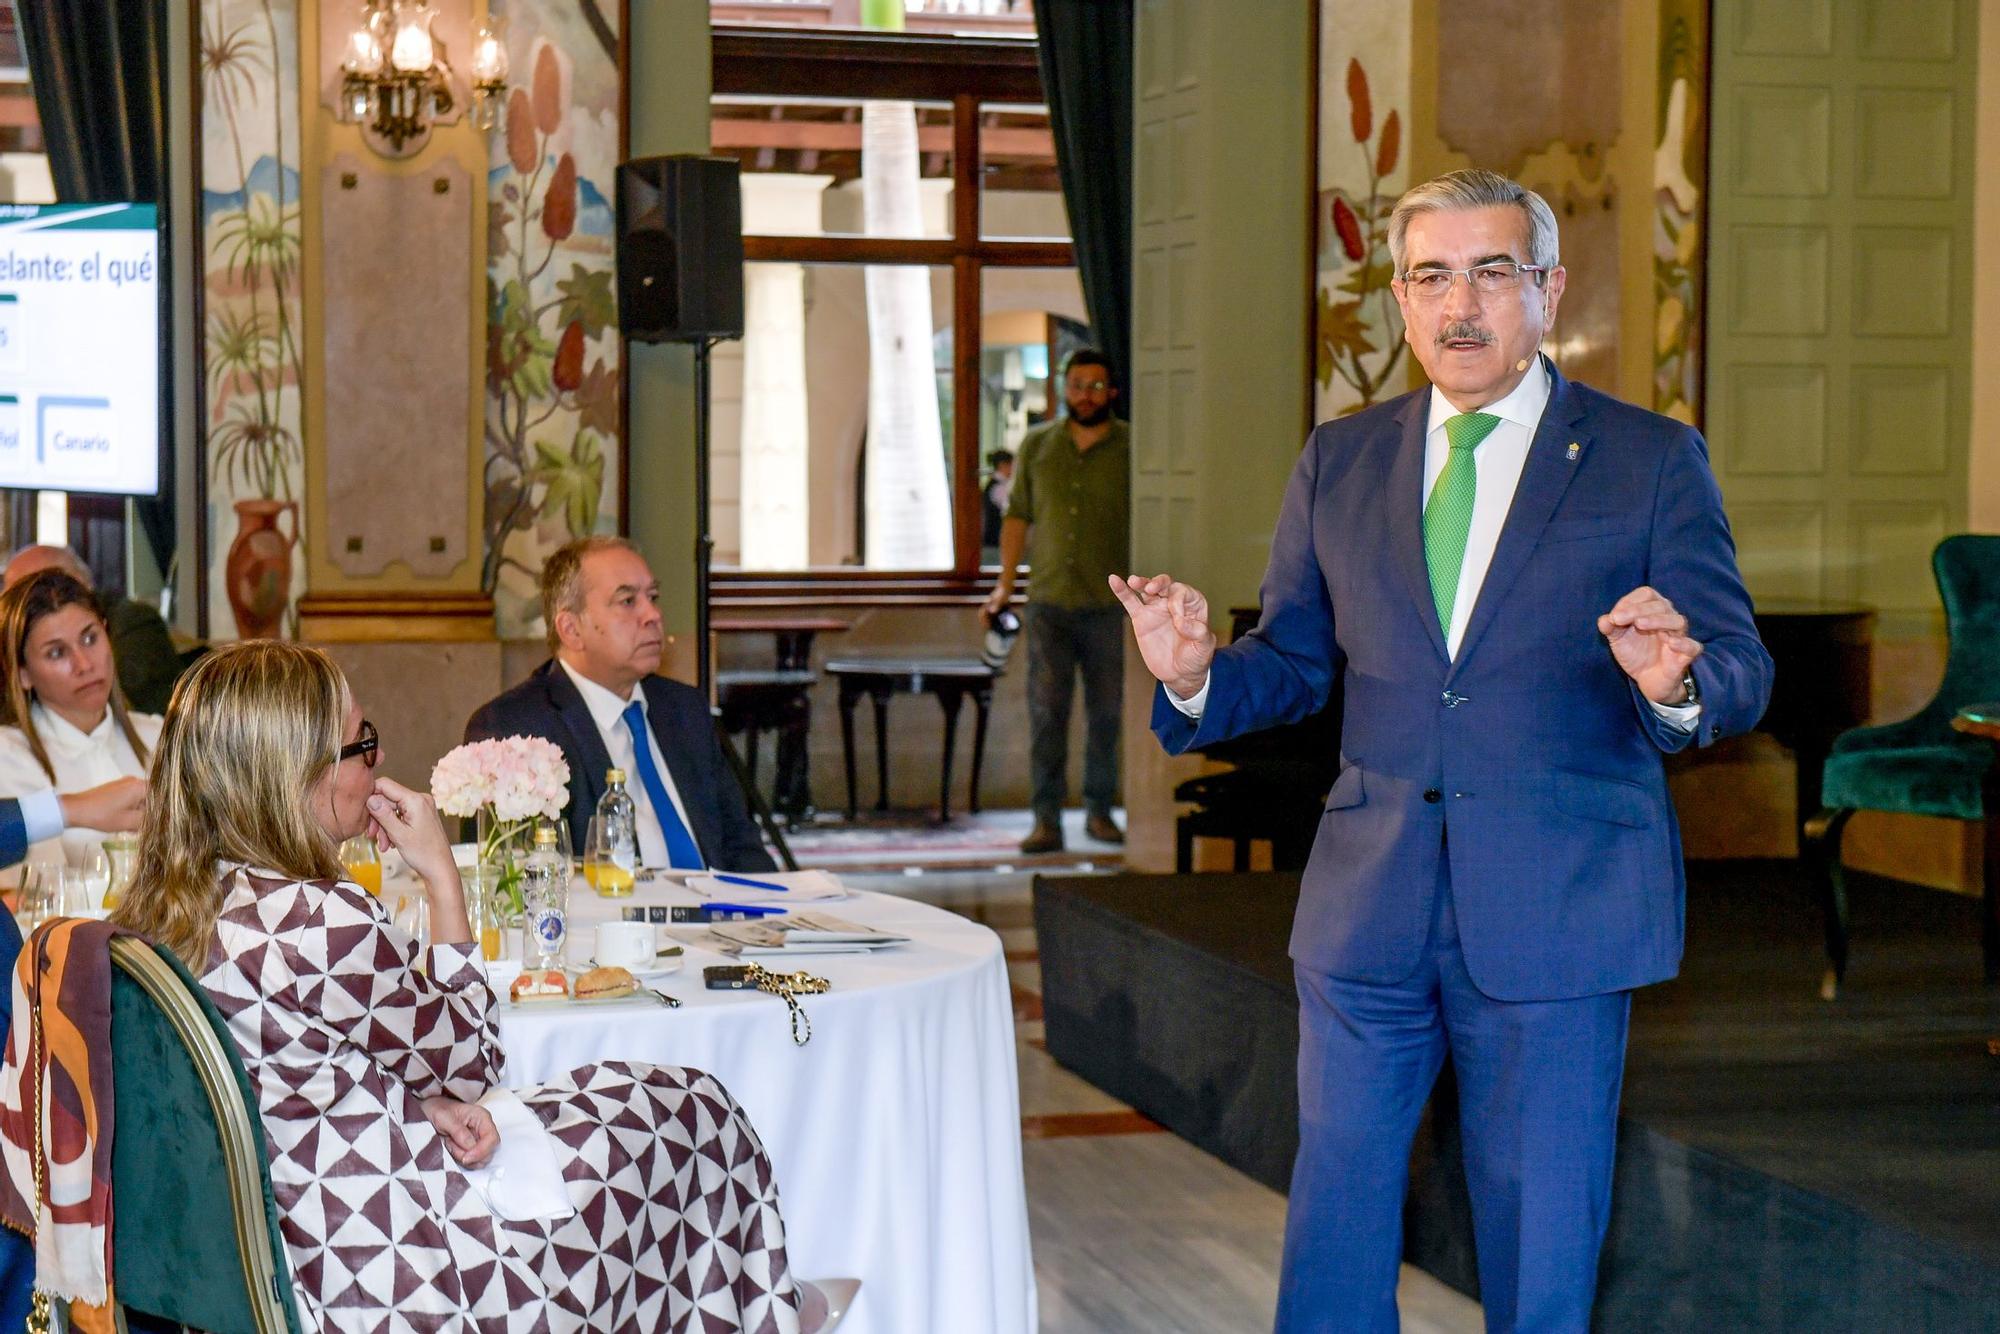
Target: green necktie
{"type": "Point", "coordinates": [1448, 513]}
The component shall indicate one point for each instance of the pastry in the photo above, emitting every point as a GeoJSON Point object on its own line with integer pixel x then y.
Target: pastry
{"type": "Point", "coordinates": [606, 982]}
{"type": "Point", "coordinates": [541, 984]}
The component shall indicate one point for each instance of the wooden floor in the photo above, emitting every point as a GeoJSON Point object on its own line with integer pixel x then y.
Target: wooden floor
{"type": "Point", "coordinates": [1135, 1231]}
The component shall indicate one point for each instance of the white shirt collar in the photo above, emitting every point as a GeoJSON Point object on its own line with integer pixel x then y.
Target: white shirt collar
{"type": "Point", "coordinates": [1523, 406]}
{"type": "Point", "coordinates": [58, 733]}
{"type": "Point", "coordinates": [606, 709]}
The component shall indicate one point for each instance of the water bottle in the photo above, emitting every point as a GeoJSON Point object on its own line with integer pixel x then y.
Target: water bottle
{"type": "Point", "coordinates": [1002, 629]}
{"type": "Point", "coordinates": [614, 851]}
{"type": "Point", "coordinates": [545, 904]}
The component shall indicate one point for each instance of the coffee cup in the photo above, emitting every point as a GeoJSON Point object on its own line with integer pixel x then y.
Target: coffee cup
{"type": "Point", "coordinates": [625, 945]}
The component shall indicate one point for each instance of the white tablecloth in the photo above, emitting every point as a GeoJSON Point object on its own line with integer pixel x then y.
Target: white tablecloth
{"type": "Point", "coordinates": [895, 1132]}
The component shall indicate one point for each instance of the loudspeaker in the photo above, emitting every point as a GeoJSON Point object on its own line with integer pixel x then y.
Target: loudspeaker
{"type": "Point", "coordinates": [680, 249]}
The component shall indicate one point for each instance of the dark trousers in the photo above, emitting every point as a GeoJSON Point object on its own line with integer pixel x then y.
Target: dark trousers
{"type": "Point", "coordinates": [1538, 1089]}
{"type": "Point", "coordinates": [1063, 642]}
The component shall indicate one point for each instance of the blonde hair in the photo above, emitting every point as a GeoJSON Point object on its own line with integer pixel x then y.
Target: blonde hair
{"type": "Point", "coordinates": [26, 602]}
{"type": "Point", "coordinates": [252, 729]}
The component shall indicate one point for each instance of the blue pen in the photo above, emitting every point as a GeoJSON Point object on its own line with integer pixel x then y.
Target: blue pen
{"type": "Point", "coordinates": [744, 909]}
{"type": "Point", "coordinates": [748, 883]}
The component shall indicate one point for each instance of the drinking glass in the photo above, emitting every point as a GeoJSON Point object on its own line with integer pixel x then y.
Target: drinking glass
{"type": "Point", "coordinates": [363, 863]}
{"type": "Point", "coordinates": [123, 850]}
{"type": "Point", "coordinates": [73, 891]}
{"type": "Point", "coordinates": [38, 894]}
{"type": "Point", "coordinates": [606, 865]}
{"type": "Point", "coordinates": [480, 911]}
{"type": "Point", "coordinates": [94, 866]}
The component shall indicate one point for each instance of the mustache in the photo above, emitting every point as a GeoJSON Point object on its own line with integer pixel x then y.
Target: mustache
{"type": "Point", "coordinates": [1463, 331]}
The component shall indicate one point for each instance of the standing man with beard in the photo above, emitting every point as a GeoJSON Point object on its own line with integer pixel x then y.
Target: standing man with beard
{"type": "Point", "coordinates": [1070, 512]}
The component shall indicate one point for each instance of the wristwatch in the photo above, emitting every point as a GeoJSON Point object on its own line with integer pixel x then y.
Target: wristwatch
{"type": "Point", "coordinates": [1692, 691]}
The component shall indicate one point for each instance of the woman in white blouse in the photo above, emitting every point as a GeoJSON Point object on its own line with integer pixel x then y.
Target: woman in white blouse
{"type": "Point", "coordinates": [70, 729]}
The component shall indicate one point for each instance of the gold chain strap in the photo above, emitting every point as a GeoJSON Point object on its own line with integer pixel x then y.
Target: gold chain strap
{"type": "Point", "coordinates": [791, 986]}
{"type": "Point", "coordinates": [39, 1315]}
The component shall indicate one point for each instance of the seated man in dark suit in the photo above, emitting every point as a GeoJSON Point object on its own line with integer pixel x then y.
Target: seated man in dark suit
{"type": "Point", "coordinates": [599, 694]}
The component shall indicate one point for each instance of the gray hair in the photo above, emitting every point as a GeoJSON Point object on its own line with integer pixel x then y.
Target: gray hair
{"type": "Point", "coordinates": [562, 579]}
{"type": "Point", "coordinates": [1458, 191]}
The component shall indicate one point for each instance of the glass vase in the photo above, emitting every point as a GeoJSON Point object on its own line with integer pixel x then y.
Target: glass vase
{"type": "Point", "coordinates": [504, 846]}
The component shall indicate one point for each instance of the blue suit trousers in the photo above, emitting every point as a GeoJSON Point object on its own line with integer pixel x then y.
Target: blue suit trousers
{"type": "Point", "coordinates": [1538, 1089]}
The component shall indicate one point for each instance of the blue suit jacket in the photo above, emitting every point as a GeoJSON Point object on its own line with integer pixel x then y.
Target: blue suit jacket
{"type": "Point", "coordinates": [17, 1253]}
{"type": "Point", "coordinates": [548, 704]}
{"type": "Point", "coordinates": [1530, 761]}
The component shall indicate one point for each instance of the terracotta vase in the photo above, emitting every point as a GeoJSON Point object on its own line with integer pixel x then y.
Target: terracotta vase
{"type": "Point", "coordinates": [259, 569]}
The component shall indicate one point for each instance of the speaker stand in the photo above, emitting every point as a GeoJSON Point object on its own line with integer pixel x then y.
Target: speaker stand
{"type": "Point", "coordinates": [704, 541]}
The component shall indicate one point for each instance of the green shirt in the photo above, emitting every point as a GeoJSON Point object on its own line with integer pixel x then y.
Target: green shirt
{"type": "Point", "coordinates": [1079, 508]}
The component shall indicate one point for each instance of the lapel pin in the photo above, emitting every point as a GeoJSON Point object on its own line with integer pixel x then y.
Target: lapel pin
{"type": "Point", "coordinates": [1574, 450]}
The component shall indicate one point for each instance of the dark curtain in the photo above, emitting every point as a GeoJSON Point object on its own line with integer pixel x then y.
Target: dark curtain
{"type": "Point", "coordinates": [1086, 53]}
{"type": "Point", "coordinates": [99, 69]}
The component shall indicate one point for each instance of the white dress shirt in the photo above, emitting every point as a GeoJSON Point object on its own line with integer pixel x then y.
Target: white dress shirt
{"type": "Point", "coordinates": [1498, 461]}
{"type": "Point", "coordinates": [608, 712]}
{"type": "Point", "coordinates": [82, 760]}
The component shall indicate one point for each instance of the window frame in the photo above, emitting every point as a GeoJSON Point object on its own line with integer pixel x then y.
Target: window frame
{"type": "Point", "coordinates": [967, 72]}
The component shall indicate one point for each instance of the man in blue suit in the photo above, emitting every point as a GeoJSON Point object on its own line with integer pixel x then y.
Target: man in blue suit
{"type": "Point", "coordinates": [600, 698]}
{"type": "Point", "coordinates": [1529, 593]}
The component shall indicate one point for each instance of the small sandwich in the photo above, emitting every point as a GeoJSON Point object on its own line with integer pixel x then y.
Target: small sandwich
{"type": "Point", "coordinates": [605, 983]}
{"type": "Point", "coordinates": [541, 984]}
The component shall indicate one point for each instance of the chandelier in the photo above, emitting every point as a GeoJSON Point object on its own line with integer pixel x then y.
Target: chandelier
{"type": "Point", "coordinates": [396, 84]}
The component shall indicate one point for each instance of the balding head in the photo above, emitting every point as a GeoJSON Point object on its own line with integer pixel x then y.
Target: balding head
{"type": "Point", "coordinates": [32, 559]}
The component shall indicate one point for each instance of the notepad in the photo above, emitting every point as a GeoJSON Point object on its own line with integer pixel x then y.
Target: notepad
{"type": "Point", "coordinates": [799, 933]}
{"type": "Point", "coordinates": [789, 887]}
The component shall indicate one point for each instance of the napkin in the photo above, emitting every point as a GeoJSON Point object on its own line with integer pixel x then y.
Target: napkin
{"type": "Point", "coordinates": [522, 1180]}
{"type": "Point", "coordinates": [799, 887]}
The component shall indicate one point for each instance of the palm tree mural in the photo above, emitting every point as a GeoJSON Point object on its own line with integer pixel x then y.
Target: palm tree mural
{"type": "Point", "coordinates": [249, 64]}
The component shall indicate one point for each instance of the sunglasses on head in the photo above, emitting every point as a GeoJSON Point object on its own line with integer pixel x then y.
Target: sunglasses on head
{"type": "Point", "coordinates": [368, 745]}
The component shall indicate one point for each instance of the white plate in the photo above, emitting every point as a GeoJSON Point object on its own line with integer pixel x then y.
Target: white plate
{"type": "Point", "coordinates": [661, 968]}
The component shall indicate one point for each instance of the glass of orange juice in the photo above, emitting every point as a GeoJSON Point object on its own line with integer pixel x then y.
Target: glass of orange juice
{"type": "Point", "coordinates": [605, 865]}
{"type": "Point", "coordinates": [363, 863]}
{"type": "Point", "coordinates": [481, 912]}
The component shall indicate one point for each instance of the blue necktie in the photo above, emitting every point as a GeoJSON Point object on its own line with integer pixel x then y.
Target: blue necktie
{"type": "Point", "coordinates": [681, 849]}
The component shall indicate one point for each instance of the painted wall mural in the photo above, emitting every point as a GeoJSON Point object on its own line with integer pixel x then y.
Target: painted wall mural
{"type": "Point", "coordinates": [553, 441]}
{"type": "Point", "coordinates": [1680, 181]}
{"type": "Point", "coordinates": [252, 335]}
{"type": "Point", "coordinates": [1364, 84]}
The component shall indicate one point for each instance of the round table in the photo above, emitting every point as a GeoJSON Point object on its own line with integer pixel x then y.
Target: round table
{"type": "Point", "coordinates": [895, 1132]}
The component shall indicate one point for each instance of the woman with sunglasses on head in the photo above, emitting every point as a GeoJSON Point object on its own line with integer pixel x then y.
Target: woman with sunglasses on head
{"type": "Point", "coordinates": [69, 728]}
{"type": "Point", "coordinates": [369, 1056]}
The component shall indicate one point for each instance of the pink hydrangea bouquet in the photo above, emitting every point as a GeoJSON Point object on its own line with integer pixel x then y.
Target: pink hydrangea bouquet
{"type": "Point", "coordinates": [508, 784]}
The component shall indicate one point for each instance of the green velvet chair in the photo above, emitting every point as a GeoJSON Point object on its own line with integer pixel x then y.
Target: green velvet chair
{"type": "Point", "coordinates": [1920, 765]}
{"type": "Point", "coordinates": [195, 1227]}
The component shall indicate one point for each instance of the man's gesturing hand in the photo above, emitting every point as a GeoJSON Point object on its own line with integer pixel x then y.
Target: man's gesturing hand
{"type": "Point", "coordinates": [1170, 621]}
{"type": "Point", "coordinates": [1650, 641]}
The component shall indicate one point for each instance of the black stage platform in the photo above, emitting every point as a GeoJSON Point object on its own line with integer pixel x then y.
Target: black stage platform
{"type": "Point", "coordinates": [1784, 1163]}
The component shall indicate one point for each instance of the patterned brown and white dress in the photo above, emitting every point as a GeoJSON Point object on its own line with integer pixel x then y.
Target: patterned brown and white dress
{"type": "Point", "coordinates": [676, 1224]}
